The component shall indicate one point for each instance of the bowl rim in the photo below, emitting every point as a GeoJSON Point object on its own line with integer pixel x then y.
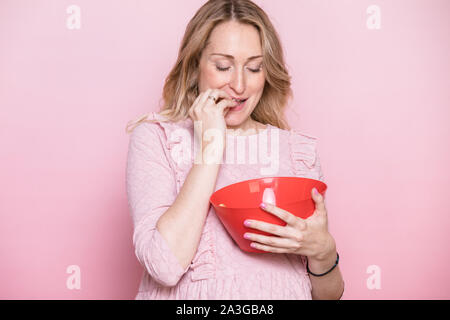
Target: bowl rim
{"type": "Point", "coordinates": [278, 204]}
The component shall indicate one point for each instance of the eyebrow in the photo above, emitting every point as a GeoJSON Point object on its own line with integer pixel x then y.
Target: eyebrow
{"type": "Point", "coordinates": [231, 57]}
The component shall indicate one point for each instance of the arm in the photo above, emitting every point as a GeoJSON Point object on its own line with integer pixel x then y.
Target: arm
{"type": "Point", "coordinates": [329, 286]}
{"type": "Point", "coordinates": [182, 224]}
{"type": "Point", "coordinates": [151, 190]}
{"type": "Point", "coordinates": [168, 226]}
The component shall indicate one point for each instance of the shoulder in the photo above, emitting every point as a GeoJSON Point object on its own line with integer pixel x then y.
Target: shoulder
{"type": "Point", "coordinates": [157, 131]}
{"type": "Point", "coordinates": [148, 135]}
{"type": "Point", "coordinates": [150, 122]}
{"type": "Point", "coordinates": [297, 135]}
{"type": "Point", "coordinates": [155, 126]}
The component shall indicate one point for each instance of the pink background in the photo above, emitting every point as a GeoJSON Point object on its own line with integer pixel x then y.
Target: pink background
{"type": "Point", "coordinates": [378, 101]}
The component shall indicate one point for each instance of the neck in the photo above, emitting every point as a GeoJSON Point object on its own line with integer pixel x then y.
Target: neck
{"type": "Point", "coordinates": [248, 127]}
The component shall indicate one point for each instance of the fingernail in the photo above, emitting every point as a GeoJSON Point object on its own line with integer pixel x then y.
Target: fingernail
{"type": "Point", "coordinates": [315, 192]}
{"type": "Point", "coordinates": [247, 223]}
{"type": "Point", "coordinates": [246, 236]}
{"type": "Point", "coordinates": [262, 205]}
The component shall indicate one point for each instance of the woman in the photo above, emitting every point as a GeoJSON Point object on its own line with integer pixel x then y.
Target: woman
{"type": "Point", "coordinates": [230, 52]}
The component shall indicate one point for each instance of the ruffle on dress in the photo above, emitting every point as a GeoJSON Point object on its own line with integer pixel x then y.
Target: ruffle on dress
{"type": "Point", "coordinates": [304, 157]}
{"type": "Point", "coordinates": [178, 143]}
{"type": "Point", "coordinates": [181, 156]}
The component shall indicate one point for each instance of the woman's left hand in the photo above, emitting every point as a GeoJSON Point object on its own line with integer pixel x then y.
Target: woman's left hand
{"type": "Point", "coordinates": [308, 237]}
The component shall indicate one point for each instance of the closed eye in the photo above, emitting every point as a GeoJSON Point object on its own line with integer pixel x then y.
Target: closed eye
{"type": "Point", "coordinates": [226, 69]}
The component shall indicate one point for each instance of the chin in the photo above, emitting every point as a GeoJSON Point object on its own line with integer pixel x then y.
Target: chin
{"type": "Point", "coordinates": [234, 120]}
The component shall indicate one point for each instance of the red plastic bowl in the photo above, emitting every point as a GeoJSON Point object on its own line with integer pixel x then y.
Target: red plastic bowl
{"type": "Point", "coordinates": [240, 201]}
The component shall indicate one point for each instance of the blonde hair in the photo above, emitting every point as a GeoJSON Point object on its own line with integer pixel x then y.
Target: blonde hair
{"type": "Point", "coordinates": [181, 85]}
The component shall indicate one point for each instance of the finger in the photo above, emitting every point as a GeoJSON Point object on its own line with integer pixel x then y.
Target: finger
{"type": "Point", "coordinates": [223, 95]}
{"type": "Point", "coordinates": [284, 215]}
{"type": "Point", "coordinates": [301, 224]}
{"type": "Point", "coordinates": [319, 200]}
{"type": "Point", "coordinates": [268, 227]}
{"type": "Point", "coordinates": [203, 97]}
{"type": "Point", "coordinates": [226, 103]}
{"type": "Point", "coordinates": [194, 104]}
{"type": "Point", "coordinates": [267, 248]}
{"type": "Point", "coordinates": [203, 100]}
{"type": "Point", "coordinates": [197, 100]}
{"type": "Point", "coordinates": [273, 241]}
{"type": "Point", "coordinates": [218, 95]}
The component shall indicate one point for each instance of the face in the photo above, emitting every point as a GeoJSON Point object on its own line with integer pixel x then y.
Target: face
{"type": "Point", "coordinates": [234, 73]}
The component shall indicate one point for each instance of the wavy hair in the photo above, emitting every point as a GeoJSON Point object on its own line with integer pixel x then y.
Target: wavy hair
{"type": "Point", "coordinates": [181, 85]}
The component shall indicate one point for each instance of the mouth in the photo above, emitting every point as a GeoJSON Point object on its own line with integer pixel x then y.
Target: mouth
{"type": "Point", "coordinates": [239, 102]}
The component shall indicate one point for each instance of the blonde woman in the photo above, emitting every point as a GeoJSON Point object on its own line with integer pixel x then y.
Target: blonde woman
{"type": "Point", "coordinates": [230, 53]}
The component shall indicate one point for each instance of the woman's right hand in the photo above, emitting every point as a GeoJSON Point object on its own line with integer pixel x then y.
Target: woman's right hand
{"type": "Point", "coordinates": [210, 114]}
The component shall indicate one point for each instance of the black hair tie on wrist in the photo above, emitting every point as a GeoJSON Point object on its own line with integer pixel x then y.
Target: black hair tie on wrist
{"type": "Point", "coordinates": [322, 274]}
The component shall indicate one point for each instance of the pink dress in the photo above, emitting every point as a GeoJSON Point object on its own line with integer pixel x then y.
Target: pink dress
{"type": "Point", "coordinates": [160, 156]}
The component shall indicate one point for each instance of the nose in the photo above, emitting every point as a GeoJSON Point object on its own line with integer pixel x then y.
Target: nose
{"type": "Point", "coordinates": [237, 82]}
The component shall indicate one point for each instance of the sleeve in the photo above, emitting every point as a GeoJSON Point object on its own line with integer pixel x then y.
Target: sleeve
{"type": "Point", "coordinates": [304, 155]}
{"type": "Point", "coordinates": [151, 190]}
{"type": "Point", "coordinates": [318, 166]}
